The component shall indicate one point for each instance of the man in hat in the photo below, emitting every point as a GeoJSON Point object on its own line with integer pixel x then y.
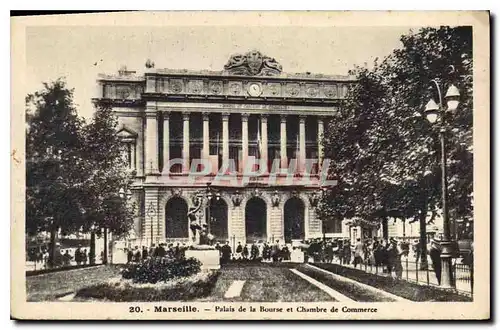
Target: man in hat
{"type": "Point", "coordinates": [435, 254]}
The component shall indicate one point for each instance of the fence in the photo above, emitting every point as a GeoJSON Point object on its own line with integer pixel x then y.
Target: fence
{"type": "Point", "coordinates": [414, 272]}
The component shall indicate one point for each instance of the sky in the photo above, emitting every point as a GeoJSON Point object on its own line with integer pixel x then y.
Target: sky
{"type": "Point", "coordinates": [72, 51]}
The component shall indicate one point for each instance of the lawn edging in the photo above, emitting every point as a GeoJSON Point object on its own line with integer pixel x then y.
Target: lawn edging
{"type": "Point", "coordinates": [401, 288]}
{"type": "Point", "coordinates": [367, 287]}
{"type": "Point", "coordinates": [60, 269]}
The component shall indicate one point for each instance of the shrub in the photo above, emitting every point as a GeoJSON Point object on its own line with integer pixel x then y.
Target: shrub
{"type": "Point", "coordinates": [155, 270]}
{"type": "Point", "coordinates": [184, 289]}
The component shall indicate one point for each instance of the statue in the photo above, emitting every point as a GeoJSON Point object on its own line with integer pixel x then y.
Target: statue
{"type": "Point", "coordinates": [253, 63]}
{"type": "Point", "coordinates": [201, 236]}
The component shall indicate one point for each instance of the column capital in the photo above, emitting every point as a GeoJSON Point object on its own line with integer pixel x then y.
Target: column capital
{"type": "Point", "coordinates": [206, 115]}
{"type": "Point", "coordinates": [302, 119]}
{"type": "Point", "coordinates": [263, 118]}
{"type": "Point", "coordinates": [283, 118]}
{"type": "Point", "coordinates": [244, 116]}
{"type": "Point", "coordinates": [166, 115]}
{"type": "Point", "coordinates": [225, 116]}
{"type": "Point", "coordinates": [185, 116]}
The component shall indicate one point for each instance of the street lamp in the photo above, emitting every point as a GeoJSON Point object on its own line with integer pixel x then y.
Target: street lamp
{"type": "Point", "coordinates": [151, 212]}
{"type": "Point", "coordinates": [210, 195]}
{"type": "Point", "coordinates": [434, 112]}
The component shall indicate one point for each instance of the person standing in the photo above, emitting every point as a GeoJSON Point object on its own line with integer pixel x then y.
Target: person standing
{"type": "Point", "coordinates": [84, 256]}
{"type": "Point", "coordinates": [239, 251]}
{"type": "Point", "coordinates": [225, 253]}
{"type": "Point", "coordinates": [358, 252]}
{"type": "Point", "coordinates": [245, 252]}
{"type": "Point", "coordinates": [435, 254]}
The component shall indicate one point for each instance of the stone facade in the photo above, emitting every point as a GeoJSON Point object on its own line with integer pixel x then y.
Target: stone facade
{"type": "Point", "coordinates": [251, 108]}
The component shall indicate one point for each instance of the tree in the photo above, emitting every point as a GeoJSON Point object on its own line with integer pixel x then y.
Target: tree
{"type": "Point", "coordinates": [74, 170]}
{"type": "Point", "coordinates": [54, 180]}
{"type": "Point", "coordinates": [109, 173]}
{"type": "Point", "coordinates": [383, 149]}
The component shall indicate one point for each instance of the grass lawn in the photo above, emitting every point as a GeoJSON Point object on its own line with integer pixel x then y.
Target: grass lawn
{"type": "Point", "coordinates": [50, 286]}
{"type": "Point", "coordinates": [351, 290]}
{"type": "Point", "coordinates": [266, 283]}
{"type": "Point", "coordinates": [408, 290]}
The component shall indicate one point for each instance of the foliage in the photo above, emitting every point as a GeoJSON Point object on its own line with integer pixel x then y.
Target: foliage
{"type": "Point", "coordinates": [108, 173]}
{"type": "Point", "coordinates": [155, 270]}
{"type": "Point", "coordinates": [54, 167]}
{"type": "Point", "coordinates": [386, 156]}
{"type": "Point", "coordinates": [197, 286]}
{"type": "Point", "coordinates": [74, 170]}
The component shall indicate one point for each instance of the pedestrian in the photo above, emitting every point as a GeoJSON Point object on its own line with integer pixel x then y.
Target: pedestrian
{"type": "Point", "coordinates": [392, 254]}
{"type": "Point", "coordinates": [347, 252]}
{"type": "Point", "coordinates": [144, 253]}
{"type": "Point", "coordinates": [358, 252]}
{"type": "Point", "coordinates": [137, 254]}
{"type": "Point", "coordinates": [84, 256]}
{"type": "Point", "coordinates": [275, 252]}
{"type": "Point", "coordinates": [245, 252]}
{"type": "Point", "coordinates": [254, 252]}
{"type": "Point", "coordinates": [435, 254]}
{"type": "Point", "coordinates": [225, 253]}
{"type": "Point", "coordinates": [78, 256]}
{"type": "Point", "coordinates": [130, 255]}
{"type": "Point", "coordinates": [239, 251]}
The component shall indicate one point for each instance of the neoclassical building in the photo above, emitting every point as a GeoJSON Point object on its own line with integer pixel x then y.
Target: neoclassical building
{"type": "Point", "coordinates": [250, 110]}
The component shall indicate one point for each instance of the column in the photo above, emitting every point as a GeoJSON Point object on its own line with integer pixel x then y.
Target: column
{"type": "Point", "coordinates": [284, 160]}
{"type": "Point", "coordinates": [185, 142]}
{"type": "Point", "coordinates": [263, 132]}
{"type": "Point", "coordinates": [166, 143]}
{"type": "Point", "coordinates": [133, 154]}
{"type": "Point", "coordinates": [302, 143]}
{"type": "Point", "coordinates": [244, 139]}
{"type": "Point", "coordinates": [151, 165]}
{"type": "Point", "coordinates": [225, 138]}
{"type": "Point", "coordinates": [320, 144]}
{"type": "Point", "coordinates": [205, 151]}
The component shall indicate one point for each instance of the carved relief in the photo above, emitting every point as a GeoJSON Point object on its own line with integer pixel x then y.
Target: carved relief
{"type": "Point", "coordinates": [176, 192]}
{"type": "Point", "coordinates": [330, 91]}
{"type": "Point", "coordinates": [237, 198]}
{"type": "Point", "coordinates": [122, 92]}
{"type": "Point", "coordinates": [274, 89]}
{"type": "Point", "coordinates": [215, 87]}
{"type": "Point", "coordinates": [235, 88]}
{"type": "Point", "coordinates": [314, 199]}
{"type": "Point", "coordinates": [176, 86]}
{"type": "Point", "coordinates": [252, 63]}
{"type": "Point", "coordinates": [312, 90]}
{"type": "Point", "coordinates": [195, 86]}
{"type": "Point", "coordinates": [293, 89]}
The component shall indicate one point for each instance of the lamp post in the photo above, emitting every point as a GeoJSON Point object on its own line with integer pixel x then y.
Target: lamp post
{"type": "Point", "coordinates": [151, 212]}
{"type": "Point", "coordinates": [210, 194]}
{"type": "Point", "coordinates": [434, 112]}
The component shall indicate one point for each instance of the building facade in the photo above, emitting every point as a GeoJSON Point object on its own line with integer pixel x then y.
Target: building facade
{"type": "Point", "coordinates": [250, 121]}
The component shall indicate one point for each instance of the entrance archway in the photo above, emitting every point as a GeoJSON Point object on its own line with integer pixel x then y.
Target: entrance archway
{"type": "Point", "coordinates": [176, 222]}
{"type": "Point", "coordinates": [218, 220]}
{"type": "Point", "coordinates": [255, 220]}
{"type": "Point", "coordinates": [294, 219]}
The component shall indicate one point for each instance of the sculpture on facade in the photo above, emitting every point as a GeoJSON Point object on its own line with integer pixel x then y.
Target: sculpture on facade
{"type": "Point", "coordinates": [252, 63]}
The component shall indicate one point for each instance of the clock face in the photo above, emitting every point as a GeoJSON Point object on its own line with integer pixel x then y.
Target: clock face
{"type": "Point", "coordinates": [254, 89]}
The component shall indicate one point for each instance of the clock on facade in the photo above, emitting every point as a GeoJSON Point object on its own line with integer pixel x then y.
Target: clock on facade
{"type": "Point", "coordinates": [254, 89]}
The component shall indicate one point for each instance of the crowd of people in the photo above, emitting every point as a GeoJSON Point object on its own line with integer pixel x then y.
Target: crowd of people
{"type": "Point", "coordinates": [170, 250]}
{"type": "Point", "coordinates": [386, 254]}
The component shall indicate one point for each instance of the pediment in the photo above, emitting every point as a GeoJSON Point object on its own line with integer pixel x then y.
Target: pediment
{"type": "Point", "coordinates": [126, 133]}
